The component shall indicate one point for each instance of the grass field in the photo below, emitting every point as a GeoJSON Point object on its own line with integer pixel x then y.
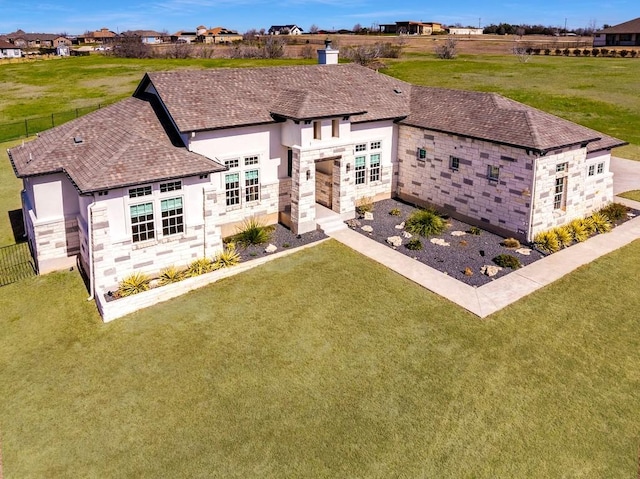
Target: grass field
{"type": "Point", "coordinates": [348, 371]}
{"type": "Point", "coordinates": [10, 187]}
{"type": "Point", "coordinates": [600, 93]}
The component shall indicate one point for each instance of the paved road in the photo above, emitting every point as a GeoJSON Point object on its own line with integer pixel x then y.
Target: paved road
{"type": "Point", "coordinates": [626, 175]}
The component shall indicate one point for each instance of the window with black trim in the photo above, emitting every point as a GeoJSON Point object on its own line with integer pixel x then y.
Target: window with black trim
{"type": "Point", "coordinates": [375, 145]}
{"type": "Point", "coordinates": [251, 160]}
{"type": "Point", "coordinates": [374, 167]}
{"type": "Point", "coordinates": [493, 172]}
{"type": "Point", "coordinates": [592, 170]}
{"type": "Point", "coordinates": [560, 193]}
{"type": "Point", "coordinates": [232, 189]}
{"type": "Point", "coordinates": [142, 227]}
{"type": "Point", "coordinates": [139, 191]}
{"type": "Point", "coordinates": [600, 168]}
{"type": "Point", "coordinates": [454, 163]}
{"type": "Point", "coordinates": [361, 147]}
{"type": "Point", "coordinates": [232, 162]}
{"type": "Point", "coordinates": [171, 211]}
{"type": "Point", "coordinates": [251, 186]}
{"type": "Point", "coordinates": [170, 186]}
{"type": "Point", "coordinates": [422, 154]}
{"type": "Point", "coordinates": [317, 130]}
{"type": "Point", "coordinates": [360, 169]}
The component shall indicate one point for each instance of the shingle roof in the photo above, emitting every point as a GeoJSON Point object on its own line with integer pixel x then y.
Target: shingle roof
{"type": "Point", "coordinates": [245, 96]}
{"type": "Point", "coordinates": [632, 26]}
{"type": "Point", "coordinates": [120, 145]}
{"type": "Point", "coordinates": [492, 117]}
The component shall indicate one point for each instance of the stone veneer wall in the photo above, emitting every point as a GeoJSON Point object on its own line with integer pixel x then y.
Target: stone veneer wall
{"type": "Point", "coordinates": [55, 242]}
{"type": "Point", "coordinates": [113, 261]}
{"type": "Point", "coordinates": [324, 188]}
{"type": "Point", "coordinates": [502, 206]}
{"type": "Point", "coordinates": [583, 194]}
{"type": "Point", "coordinates": [378, 190]}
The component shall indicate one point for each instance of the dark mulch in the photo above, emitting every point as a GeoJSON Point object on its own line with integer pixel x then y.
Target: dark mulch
{"type": "Point", "coordinates": [468, 251]}
{"type": "Point", "coordinates": [282, 238]}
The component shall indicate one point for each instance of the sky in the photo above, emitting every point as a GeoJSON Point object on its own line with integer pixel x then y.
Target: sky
{"type": "Point", "coordinates": [78, 16]}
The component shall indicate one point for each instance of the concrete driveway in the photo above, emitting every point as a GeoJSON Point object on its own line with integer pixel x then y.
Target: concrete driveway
{"type": "Point", "coordinates": [626, 175]}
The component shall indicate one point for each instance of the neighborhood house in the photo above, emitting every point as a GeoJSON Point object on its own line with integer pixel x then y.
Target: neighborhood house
{"type": "Point", "coordinates": [162, 177]}
{"type": "Point", "coordinates": [623, 34]}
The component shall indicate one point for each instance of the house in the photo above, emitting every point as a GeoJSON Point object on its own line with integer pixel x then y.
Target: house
{"type": "Point", "coordinates": [464, 31]}
{"type": "Point", "coordinates": [9, 50]}
{"type": "Point", "coordinates": [37, 40]}
{"type": "Point", "coordinates": [220, 35]}
{"type": "Point", "coordinates": [162, 177]}
{"type": "Point", "coordinates": [625, 34]}
{"type": "Point", "coordinates": [285, 30]}
{"type": "Point", "coordinates": [412, 28]}
{"type": "Point", "coordinates": [183, 36]}
{"type": "Point", "coordinates": [102, 36]}
{"type": "Point", "coordinates": [147, 37]}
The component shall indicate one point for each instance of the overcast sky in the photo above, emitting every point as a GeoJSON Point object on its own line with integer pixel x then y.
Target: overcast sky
{"type": "Point", "coordinates": [78, 16]}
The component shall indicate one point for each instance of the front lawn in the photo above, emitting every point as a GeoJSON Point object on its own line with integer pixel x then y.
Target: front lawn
{"type": "Point", "coordinates": [631, 195]}
{"type": "Point", "coordinates": [324, 364]}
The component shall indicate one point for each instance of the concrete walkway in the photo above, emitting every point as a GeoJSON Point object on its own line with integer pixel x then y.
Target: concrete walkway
{"type": "Point", "coordinates": [489, 298]}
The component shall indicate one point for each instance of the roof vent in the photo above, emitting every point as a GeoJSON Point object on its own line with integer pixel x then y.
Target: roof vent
{"type": "Point", "coordinates": [397, 90]}
{"type": "Point", "coordinates": [77, 140]}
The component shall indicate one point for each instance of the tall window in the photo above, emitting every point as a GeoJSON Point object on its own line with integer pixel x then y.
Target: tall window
{"type": "Point", "coordinates": [289, 162]}
{"type": "Point", "coordinates": [422, 154]}
{"type": "Point", "coordinates": [559, 195]}
{"type": "Point", "coordinates": [172, 216]}
{"type": "Point", "coordinates": [360, 169]}
{"type": "Point", "coordinates": [454, 163]}
{"type": "Point", "coordinates": [600, 168]}
{"type": "Point", "coordinates": [592, 170]}
{"type": "Point", "coordinates": [374, 167]}
{"type": "Point", "coordinates": [335, 128]}
{"type": "Point", "coordinates": [493, 172]}
{"type": "Point", "coordinates": [232, 188]}
{"type": "Point", "coordinates": [142, 222]}
{"type": "Point", "coordinates": [317, 130]}
{"type": "Point", "coordinates": [251, 186]}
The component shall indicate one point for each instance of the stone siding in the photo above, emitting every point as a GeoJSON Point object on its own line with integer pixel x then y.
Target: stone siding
{"type": "Point", "coordinates": [468, 193]}
{"type": "Point", "coordinates": [55, 243]}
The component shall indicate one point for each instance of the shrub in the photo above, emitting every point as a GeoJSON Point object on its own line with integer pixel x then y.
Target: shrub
{"type": "Point", "coordinates": [634, 53]}
{"type": "Point", "coordinates": [507, 261]}
{"type": "Point", "coordinates": [474, 230]}
{"type": "Point", "coordinates": [547, 51]}
{"type": "Point", "coordinates": [601, 223]}
{"type": "Point", "coordinates": [511, 243]}
{"type": "Point", "coordinates": [414, 244]}
{"type": "Point", "coordinates": [577, 52]}
{"type": "Point", "coordinates": [563, 233]}
{"type": "Point", "coordinates": [578, 230]}
{"type": "Point", "coordinates": [586, 52]}
{"type": "Point", "coordinates": [547, 241]}
{"type": "Point", "coordinates": [468, 271]}
{"type": "Point", "coordinates": [198, 267]}
{"type": "Point", "coordinates": [227, 258]}
{"type": "Point", "coordinates": [253, 232]}
{"type": "Point", "coordinates": [170, 274]}
{"type": "Point", "coordinates": [624, 53]}
{"type": "Point", "coordinates": [595, 52]}
{"type": "Point", "coordinates": [589, 226]}
{"type": "Point", "coordinates": [558, 51]}
{"type": "Point", "coordinates": [394, 212]}
{"type": "Point", "coordinates": [604, 51]}
{"type": "Point", "coordinates": [133, 284]}
{"type": "Point", "coordinates": [614, 211]}
{"type": "Point", "coordinates": [425, 223]}
{"type": "Point", "coordinates": [364, 205]}
{"type": "Point", "coordinates": [566, 52]}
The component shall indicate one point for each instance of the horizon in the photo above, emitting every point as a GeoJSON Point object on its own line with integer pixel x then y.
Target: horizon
{"type": "Point", "coordinates": [73, 17]}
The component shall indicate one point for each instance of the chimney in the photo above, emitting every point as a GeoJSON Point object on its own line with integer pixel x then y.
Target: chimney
{"type": "Point", "coordinates": [327, 56]}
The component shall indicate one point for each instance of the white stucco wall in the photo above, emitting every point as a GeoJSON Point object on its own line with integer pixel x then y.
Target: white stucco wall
{"type": "Point", "coordinates": [53, 196]}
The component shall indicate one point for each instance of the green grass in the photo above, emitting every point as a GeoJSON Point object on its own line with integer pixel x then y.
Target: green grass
{"type": "Point", "coordinates": [326, 378]}
{"type": "Point", "coordinates": [631, 195]}
{"type": "Point", "coordinates": [600, 93]}
{"type": "Point", "coordinates": [10, 188]}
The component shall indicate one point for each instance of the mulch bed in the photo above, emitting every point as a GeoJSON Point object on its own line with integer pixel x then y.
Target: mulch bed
{"type": "Point", "coordinates": [282, 238]}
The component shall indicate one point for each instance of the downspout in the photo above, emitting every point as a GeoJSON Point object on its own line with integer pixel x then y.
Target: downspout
{"type": "Point", "coordinates": [90, 247]}
{"type": "Point", "coordinates": [533, 196]}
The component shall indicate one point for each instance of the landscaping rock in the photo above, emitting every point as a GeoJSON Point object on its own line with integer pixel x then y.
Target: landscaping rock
{"type": "Point", "coordinates": [271, 248]}
{"type": "Point", "coordinates": [367, 228]}
{"type": "Point", "coordinates": [400, 226]}
{"type": "Point", "coordinates": [490, 270]}
{"type": "Point", "coordinates": [368, 216]}
{"type": "Point", "coordinates": [394, 241]}
{"type": "Point", "coordinates": [458, 233]}
{"type": "Point", "coordinates": [524, 251]}
{"type": "Point", "coordinates": [439, 242]}
{"type": "Point", "coordinates": [406, 234]}
{"type": "Point", "coordinates": [353, 223]}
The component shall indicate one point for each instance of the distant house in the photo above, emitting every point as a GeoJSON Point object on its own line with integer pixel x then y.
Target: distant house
{"type": "Point", "coordinates": [184, 36]}
{"type": "Point", "coordinates": [220, 35]}
{"type": "Point", "coordinates": [624, 34]}
{"type": "Point", "coordinates": [412, 28]}
{"type": "Point", "coordinates": [104, 35]}
{"type": "Point", "coordinates": [37, 40]}
{"type": "Point", "coordinates": [9, 50]}
{"type": "Point", "coordinates": [285, 30]}
{"type": "Point", "coordinates": [148, 37]}
{"type": "Point", "coordinates": [464, 31]}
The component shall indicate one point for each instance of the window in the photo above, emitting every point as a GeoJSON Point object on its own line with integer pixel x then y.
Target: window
{"type": "Point", "coordinates": [289, 162]}
{"type": "Point", "coordinates": [232, 189]}
{"type": "Point", "coordinates": [360, 170]}
{"type": "Point", "coordinates": [170, 186]}
{"type": "Point", "coordinates": [317, 130]}
{"type": "Point", "coordinates": [142, 222]}
{"type": "Point", "coordinates": [335, 128]}
{"type": "Point", "coordinates": [592, 170]}
{"type": "Point", "coordinates": [232, 162]}
{"type": "Point", "coordinates": [376, 145]}
{"type": "Point", "coordinates": [374, 168]}
{"type": "Point", "coordinates": [422, 154]}
{"type": "Point", "coordinates": [172, 218]}
{"type": "Point", "coordinates": [251, 160]}
{"type": "Point", "coordinates": [600, 168]}
{"type": "Point", "coordinates": [361, 147]}
{"type": "Point", "coordinates": [251, 186]}
{"type": "Point", "coordinates": [559, 198]}
{"type": "Point", "coordinates": [493, 172]}
{"type": "Point", "coordinates": [454, 163]}
{"type": "Point", "coordinates": [560, 167]}
{"type": "Point", "coordinates": [141, 191]}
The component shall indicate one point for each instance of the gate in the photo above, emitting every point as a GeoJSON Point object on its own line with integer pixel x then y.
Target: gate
{"type": "Point", "coordinates": [16, 263]}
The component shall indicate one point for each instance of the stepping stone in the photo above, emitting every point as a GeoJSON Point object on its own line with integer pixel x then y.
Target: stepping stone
{"type": "Point", "coordinates": [368, 216]}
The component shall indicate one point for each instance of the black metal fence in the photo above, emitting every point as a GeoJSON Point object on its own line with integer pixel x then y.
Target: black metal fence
{"type": "Point", "coordinates": [31, 126]}
{"type": "Point", "coordinates": [16, 263]}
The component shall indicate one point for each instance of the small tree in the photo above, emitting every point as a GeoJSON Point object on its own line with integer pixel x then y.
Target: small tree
{"type": "Point", "coordinates": [313, 29]}
{"type": "Point", "coordinates": [448, 49]}
{"type": "Point", "coordinates": [522, 51]}
{"type": "Point", "coordinates": [274, 47]}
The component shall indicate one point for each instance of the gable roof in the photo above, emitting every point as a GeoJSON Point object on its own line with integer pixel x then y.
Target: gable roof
{"type": "Point", "coordinates": [250, 96]}
{"type": "Point", "coordinates": [8, 46]}
{"type": "Point", "coordinates": [494, 118]}
{"type": "Point", "coordinates": [632, 26]}
{"type": "Point", "coordinates": [120, 145]}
